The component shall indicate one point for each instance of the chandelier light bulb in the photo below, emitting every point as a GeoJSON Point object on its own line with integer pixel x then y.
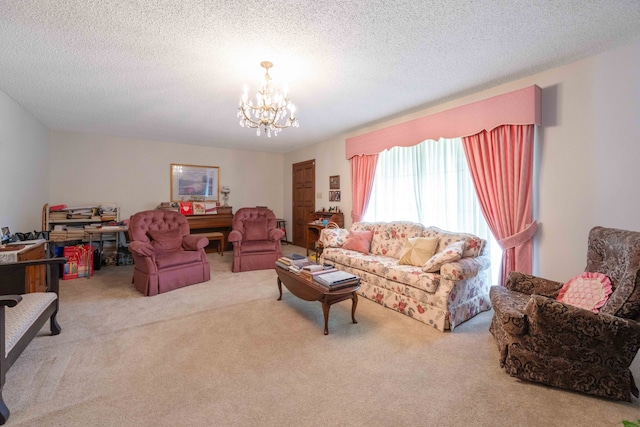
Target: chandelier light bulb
{"type": "Point", "coordinates": [270, 109]}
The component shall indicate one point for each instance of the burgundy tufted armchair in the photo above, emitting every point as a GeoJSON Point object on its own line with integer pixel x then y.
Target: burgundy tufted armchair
{"type": "Point", "coordinates": [256, 239]}
{"type": "Point", "coordinates": [165, 255]}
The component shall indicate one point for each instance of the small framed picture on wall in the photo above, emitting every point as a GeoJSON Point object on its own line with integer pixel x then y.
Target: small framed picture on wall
{"type": "Point", "coordinates": [334, 182]}
{"type": "Point", "coordinates": [334, 196]}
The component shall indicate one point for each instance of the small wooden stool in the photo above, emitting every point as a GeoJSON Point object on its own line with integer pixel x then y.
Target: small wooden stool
{"type": "Point", "coordinates": [217, 237]}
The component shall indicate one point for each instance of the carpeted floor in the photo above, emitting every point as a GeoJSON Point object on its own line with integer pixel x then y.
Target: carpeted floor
{"type": "Point", "coordinates": [227, 353]}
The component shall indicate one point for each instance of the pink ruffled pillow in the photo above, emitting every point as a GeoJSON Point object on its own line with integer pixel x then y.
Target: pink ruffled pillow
{"type": "Point", "coordinates": [359, 241]}
{"type": "Point", "coordinates": [587, 290]}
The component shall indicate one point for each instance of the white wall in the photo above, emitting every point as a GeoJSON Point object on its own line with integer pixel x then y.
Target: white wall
{"type": "Point", "coordinates": [135, 174]}
{"type": "Point", "coordinates": [589, 155]}
{"type": "Point", "coordinates": [24, 167]}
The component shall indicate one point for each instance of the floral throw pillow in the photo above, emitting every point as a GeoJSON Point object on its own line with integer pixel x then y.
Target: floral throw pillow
{"type": "Point", "coordinates": [587, 290]}
{"type": "Point", "coordinates": [451, 253]}
{"type": "Point", "coordinates": [359, 241]}
{"type": "Point", "coordinates": [417, 251]}
{"type": "Point", "coordinates": [334, 237]}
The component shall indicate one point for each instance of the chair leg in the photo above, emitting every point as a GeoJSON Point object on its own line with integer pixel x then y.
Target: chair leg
{"type": "Point", "coordinates": [4, 410]}
{"type": "Point", "coordinates": [55, 327]}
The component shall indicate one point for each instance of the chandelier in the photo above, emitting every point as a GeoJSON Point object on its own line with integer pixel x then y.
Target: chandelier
{"type": "Point", "coordinates": [272, 111]}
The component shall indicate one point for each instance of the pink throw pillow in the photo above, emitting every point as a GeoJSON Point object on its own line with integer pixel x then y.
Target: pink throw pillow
{"type": "Point", "coordinates": [359, 241]}
{"type": "Point", "coordinates": [166, 240]}
{"type": "Point", "coordinates": [256, 230]}
{"type": "Point", "coordinates": [587, 290]}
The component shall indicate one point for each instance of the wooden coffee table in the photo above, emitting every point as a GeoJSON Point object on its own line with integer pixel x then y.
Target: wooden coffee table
{"type": "Point", "coordinates": [310, 291]}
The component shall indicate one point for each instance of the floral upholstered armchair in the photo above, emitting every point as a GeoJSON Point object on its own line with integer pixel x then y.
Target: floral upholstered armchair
{"type": "Point", "coordinates": [549, 341]}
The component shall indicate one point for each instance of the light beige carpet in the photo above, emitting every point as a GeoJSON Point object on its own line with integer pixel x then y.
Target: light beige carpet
{"type": "Point", "coordinates": [227, 353]}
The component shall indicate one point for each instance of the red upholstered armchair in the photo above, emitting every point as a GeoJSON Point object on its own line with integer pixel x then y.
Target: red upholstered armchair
{"type": "Point", "coordinates": [165, 254]}
{"type": "Point", "coordinates": [256, 239]}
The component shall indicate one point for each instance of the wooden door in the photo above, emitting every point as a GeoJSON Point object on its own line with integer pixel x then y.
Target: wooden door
{"type": "Point", "coordinates": [304, 198]}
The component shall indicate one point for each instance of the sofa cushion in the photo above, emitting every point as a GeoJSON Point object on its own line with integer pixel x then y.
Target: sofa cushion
{"type": "Point", "coordinates": [389, 238]}
{"type": "Point", "coordinates": [179, 258]}
{"type": "Point", "coordinates": [359, 241]}
{"type": "Point", "coordinates": [587, 290]}
{"type": "Point", "coordinates": [258, 246]}
{"type": "Point", "coordinates": [417, 251]}
{"type": "Point", "coordinates": [256, 230]}
{"type": "Point", "coordinates": [453, 252]}
{"type": "Point", "coordinates": [412, 276]}
{"type": "Point", "coordinates": [166, 240]}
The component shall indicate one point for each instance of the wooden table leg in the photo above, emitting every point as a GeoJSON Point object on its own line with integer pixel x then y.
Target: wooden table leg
{"type": "Point", "coordinates": [354, 304]}
{"type": "Point", "coordinates": [280, 289]}
{"type": "Point", "coordinates": [325, 311]}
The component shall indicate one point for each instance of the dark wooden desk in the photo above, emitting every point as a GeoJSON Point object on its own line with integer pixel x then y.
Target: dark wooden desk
{"type": "Point", "coordinates": [221, 222]}
{"type": "Point", "coordinates": [313, 234]}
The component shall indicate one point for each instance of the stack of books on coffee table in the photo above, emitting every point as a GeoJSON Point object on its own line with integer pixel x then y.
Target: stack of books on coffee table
{"type": "Point", "coordinates": [312, 270]}
{"type": "Point", "coordinates": [336, 279]}
{"type": "Point", "coordinates": [293, 262]}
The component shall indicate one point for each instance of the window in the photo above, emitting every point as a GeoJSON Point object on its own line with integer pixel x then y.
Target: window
{"type": "Point", "coordinates": [430, 183]}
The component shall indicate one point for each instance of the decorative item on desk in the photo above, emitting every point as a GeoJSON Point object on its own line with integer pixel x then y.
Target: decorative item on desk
{"type": "Point", "coordinates": [198, 208]}
{"type": "Point", "coordinates": [6, 234]}
{"type": "Point", "coordinates": [225, 190]}
{"type": "Point", "coordinates": [186, 208]}
{"type": "Point", "coordinates": [211, 208]}
{"type": "Point", "coordinates": [325, 222]}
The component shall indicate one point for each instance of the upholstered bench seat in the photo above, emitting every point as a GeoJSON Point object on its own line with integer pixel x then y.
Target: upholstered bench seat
{"type": "Point", "coordinates": [20, 318]}
{"type": "Point", "coordinates": [215, 236]}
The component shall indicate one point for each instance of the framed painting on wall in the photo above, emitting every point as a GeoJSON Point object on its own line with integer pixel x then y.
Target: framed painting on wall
{"type": "Point", "coordinates": [192, 182]}
{"type": "Point", "coordinates": [334, 196]}
{"type": "Point", "coordinates": [334, 182]}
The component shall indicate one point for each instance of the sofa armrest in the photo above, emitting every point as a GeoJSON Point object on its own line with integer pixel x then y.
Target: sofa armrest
{"type": "Point", "coordinates": [275, 234]}
{"type": "Point", "coordinates": [527, 284]}
{"type": "Point", "coordinates": [142, 249]}
{"type": "Point", "coordinates": [235, 236]}
{"type": "Point", "coordinates": [193, 242]}
{"type": "Point", "coordinates": [464, 268]}
{"type": "Point", "coordinates": [509, 308]}
{"type": "Point", "coordinates": [578, 331]}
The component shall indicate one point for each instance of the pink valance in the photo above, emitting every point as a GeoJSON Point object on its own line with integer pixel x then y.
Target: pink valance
{"type": "Point", "coordinates": [520, 107]}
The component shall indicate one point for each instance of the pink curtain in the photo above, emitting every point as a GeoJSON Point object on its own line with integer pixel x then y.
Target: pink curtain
{"type": "Point", "coordinates": [362, 170]}
{"type": "Point", "coordinates": [501, 164]}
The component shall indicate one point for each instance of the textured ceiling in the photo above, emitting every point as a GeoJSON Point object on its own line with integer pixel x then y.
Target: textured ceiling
{"type": "Point", "coordinates": [173, 70]}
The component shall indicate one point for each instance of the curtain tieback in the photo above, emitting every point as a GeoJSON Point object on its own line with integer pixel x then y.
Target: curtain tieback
{"type": "Point", "coordinates": [519, 238]}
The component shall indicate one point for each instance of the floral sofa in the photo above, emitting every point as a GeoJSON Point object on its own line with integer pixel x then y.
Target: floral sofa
{"type": "Point", "coordinates": [443, 299]}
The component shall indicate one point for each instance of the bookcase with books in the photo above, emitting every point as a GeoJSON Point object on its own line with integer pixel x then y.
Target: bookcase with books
{"type": "Point", "coordinates": [72, 225]}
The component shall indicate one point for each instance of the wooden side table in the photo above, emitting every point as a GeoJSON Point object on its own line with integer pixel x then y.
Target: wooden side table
{"type": "Point", "coordinates": [282, 224]}
{"type": "Point", "coordinates": [35, 276]}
